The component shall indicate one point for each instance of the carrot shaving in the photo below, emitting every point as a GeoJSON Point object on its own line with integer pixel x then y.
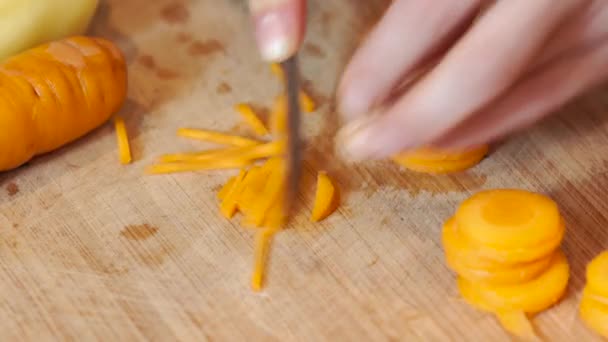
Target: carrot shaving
{"type": "Point", "coordinates": [124, 150]}
{"type": "Point", "coordinates": [216, 137]}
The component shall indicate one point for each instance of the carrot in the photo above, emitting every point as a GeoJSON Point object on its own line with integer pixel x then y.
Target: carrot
{"type": "Point", "coordinates": [56, 93]}
{"type": "Point", "coordinates": [594, 303]}
{"type": "Point", "coordinates": [531, 218]}
{"type": "Point", "coordinates": [326, 198]}
{"type": "Point", "coordinates": [124, 150]}
{"type": "Point", "coordinates": [262, 247]}
{"type": "Point", "coordinates": [216, 137]}
{"type": "Point", "coordinates": [432, 161]}
{"type": "Point", "coordinates": [252, 119]}
{"type": "Point", "coordinates": [530, 297]}
{"type": "Point", "coordinates": [504, 246]}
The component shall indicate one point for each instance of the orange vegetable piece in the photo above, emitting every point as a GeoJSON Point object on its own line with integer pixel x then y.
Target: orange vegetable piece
{"type": "Point", "coordinates": [124, 151]}
{"type": "Point", "coordinates": [476, 255]}
{"type": "Point", "coordinates": [530, 297]}
{"type": "Point", "coordinates": [437, 162]}
{"type": "Point", "coordinates": [216, 137]}
{"type": "Point", "coordinates": [278, 118]}
{"type": "Point", "coordinates": [499, 274]}
{"type": "Point", "coordinates": [307, 104]}
{"type": "Point", "coordinates": [226, 188]}
{"type": "Point", "coordinates": [56, 93]}
{"type": "Point", "coordinates": [326, 198]}
{"type": "Point", "coordinates": [595, 315]}
{"type": "Point", "coordinates": [263, 239]}
{"type": "Point", "coordinates": [508, 219]}
{"type": "Point", "coordinates": [594, 303]}
{"type": "Point", "coordinates": [597, 275]}
{"type": "Point", "coordinates": [252, 119]}
{"type": "Point", "coordinates": [518, 323]}
{"type": "Point", "coordinates": [229, 204]}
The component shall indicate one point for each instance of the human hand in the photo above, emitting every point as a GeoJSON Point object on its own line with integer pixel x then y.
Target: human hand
{"type": "Point", "coordinates": [279, 27]}
{"type": "Point", "coordinates": [518, 62]}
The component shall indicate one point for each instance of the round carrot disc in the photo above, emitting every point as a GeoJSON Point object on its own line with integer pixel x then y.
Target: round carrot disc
{"type": "Point", "coordinates": [430, 154]}
{"type": "Point", "coordinates": [597, 275]}
{"type": "Point", "coordinates": [440, 162]}
{"type": "Point", "coordinates": [506, 275]}
{"type": "Point", "coordinates": [595, 315]}
{"type": "Point", "coordinates": [507, 219]}
{"type": "Point", "coordinates": [477, 256]}
{"type": "Point", "coordinates": [530, 297]}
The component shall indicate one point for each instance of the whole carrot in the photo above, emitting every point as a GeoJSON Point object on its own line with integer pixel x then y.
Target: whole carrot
{"type": "Point", "coordinates": [56, 93]}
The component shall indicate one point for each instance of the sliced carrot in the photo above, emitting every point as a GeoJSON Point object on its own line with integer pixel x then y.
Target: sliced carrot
{"type": "Point", "coordinates": [207, 165]}
{"type": "Point", "coordinates": [307, 104]}
{"type": "Point", "coordinates": [251, 152]}
{"type": "Point", "coordinates": [509, 218]}
{"type": "Point", "coordinates": [476, 255]}
{"type": "Point", "coordinates": [595, 315]}
{"type": "Point", "coordinates": [189, 156]}
{"type": "Point", "coordinates": [226, 188]}
{"type": "Point", "coordinates": [124, 150]}
{"type": "Point", "coordinates": [263, 239]}
{"type": "Point", "coordinates": [270, 193]}
{"type": "Point", "coordinates": [276, 69]}
{"type": "Point", "coordinates": [326, 198]}
{"type": "Point", "coordinates": [229, 205]}
{"type": "Point", "coordinates": [530, 297]}
{"type": "Point", "coordinates": [216, 137]}
{"type": "Point", "coordinates": [597, 274]}
{"type": "Point", "coordinates": [517, 323]}
{"type": "Point", "coordinates": [278, 118]}
{"type": "Point", "coordinates": [252, 119]}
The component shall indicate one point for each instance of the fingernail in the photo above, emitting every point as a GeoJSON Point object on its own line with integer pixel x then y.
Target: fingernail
{"type": "Point", "coordinates": [276, 38]}
{"type": "Point", "coordinates": [353, 141]}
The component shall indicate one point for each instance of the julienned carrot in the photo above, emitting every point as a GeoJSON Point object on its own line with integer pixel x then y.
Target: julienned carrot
{"type": "Point", "coordinates": [124, 150]}
{"type": "Point", "coordinates": [263, 239]}
{"type": "Point", "coordinates": [252, 119]}
{"type": "Point", "coordinates": [56, 93]}
{"type": "Point", "coordinates": [216, 137]}
{"type": "Point", "coordinates": [252, 152]}
{"type": "Point", "coordinates": [307, 104]}
{"type": "Point", "coordinates": [207, 165]}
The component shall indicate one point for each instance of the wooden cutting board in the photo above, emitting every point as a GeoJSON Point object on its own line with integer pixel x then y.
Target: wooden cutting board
{"type": "Point", "coordinates": [92, 250]}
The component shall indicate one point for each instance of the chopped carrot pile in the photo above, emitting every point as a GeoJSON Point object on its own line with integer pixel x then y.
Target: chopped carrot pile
{"type": "Point", "coordinates": [433, 161]}
{"type": "Point", "coordinates": [124, 150]}
{"type": "Point", "coordinates": [504, 246]}
{"type": "Point", "coordinates": [257, 192]}
{"type": "Point", "coordinates": [594, 304]}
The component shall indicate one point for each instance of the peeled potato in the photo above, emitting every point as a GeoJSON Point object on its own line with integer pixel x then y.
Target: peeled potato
{"type": "Point", "coordinates": [28, 23]}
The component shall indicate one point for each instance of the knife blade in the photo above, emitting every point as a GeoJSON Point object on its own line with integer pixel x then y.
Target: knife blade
{"type": "Point", "coordinates": [293, 143]}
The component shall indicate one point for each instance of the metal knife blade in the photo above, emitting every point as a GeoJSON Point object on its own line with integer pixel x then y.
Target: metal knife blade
{"type": "Point", "coordinates": [294, 144]}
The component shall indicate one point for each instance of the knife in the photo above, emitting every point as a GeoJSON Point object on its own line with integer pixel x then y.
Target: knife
{"type": "Point", "coordinates": [293, 143]}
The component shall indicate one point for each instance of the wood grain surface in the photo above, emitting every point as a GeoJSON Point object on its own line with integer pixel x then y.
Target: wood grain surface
{"type": "Point", "coordinates": [93, 250]}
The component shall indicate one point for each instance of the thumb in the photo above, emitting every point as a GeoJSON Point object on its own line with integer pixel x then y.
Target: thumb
{"type": "Point", "coordinates": [279, 27]}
